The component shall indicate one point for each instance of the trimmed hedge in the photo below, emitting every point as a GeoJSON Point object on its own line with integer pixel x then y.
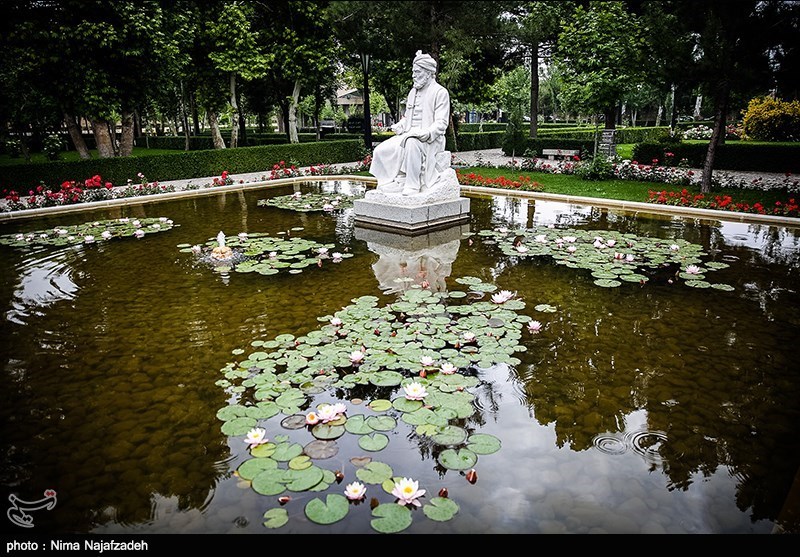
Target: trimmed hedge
{"type": "Point", "coordinates": [623, 135]}
{"type": "Point", "coordinates": [473, 141]}
{"type": "Point", "coordinates": [178, 166]}
{"type": "Point", "coordinates": [535, 146]}
{"type": "Point", "coordinates": [487, 127]}
{"type": "Point", "coordinates": [738, 155]}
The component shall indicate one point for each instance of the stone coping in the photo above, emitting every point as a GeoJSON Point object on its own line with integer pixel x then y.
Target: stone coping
{"type": "Point", "coordinates": [634, 206]}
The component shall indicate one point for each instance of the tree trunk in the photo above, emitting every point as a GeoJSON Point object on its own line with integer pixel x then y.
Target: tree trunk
{"type": "Point", "coordinates": [234, 114]}
{"type": "Point", "coordinates": [126, 140]}
{"type": "Point", "coordinates": [673, 118]}
{"type": "Point", "coordinates": [195, 114]}
{"type": "Point", "coordinates": [367, 115]}
{"type": "Point", "coordinates": [76, 135]}
{"type": "Point", "coordinates": [242, 123]}
{"type": "Point", "coordinates": [534, 127]}
{"type": "Point", "coordinates": [187, 144]}
{"type": "Point", "coordinates": [216, 135]}
{"type": "Point", "coordinates": [610, 115]}
{"type": "Point", "coordinates": [720, 111]}
{"type": "Point", "coordinates": [658, 115]}
{"type": "Point", "coordinates": [293, 138]}
{"type": "Point", "coordinates": [102, 139]}
{"type": "Point", "coordinates": [698, 103]}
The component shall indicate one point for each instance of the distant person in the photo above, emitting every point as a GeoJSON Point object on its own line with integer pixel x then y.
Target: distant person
{"type": "Point", "coordinates": [406, 162]}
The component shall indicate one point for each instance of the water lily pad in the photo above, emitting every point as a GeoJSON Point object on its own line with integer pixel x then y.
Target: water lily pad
{"type": "Point", "coordinates": [249, 469]}
{"type": "Point", "coordinates": [238, 426]}
{"type": "Point", "coordinates": [386, 378]}
{"type": "Point", "coordinates": [263, 450]}
{"type": "Point", "coordinates": [327, 431]}
{"type": "Point", "coordinates": [545, 308]}
{"type": "Point", "coordinates": [483, 443]}
{"type": "Point", "coordinates": [405, 405]}
{"type": "Point", "coordinates": [357, 425]}
{"type": "Point", "coordinates": [275, 518]}
{"type": "Point", "coordinates": [319, 449]}
{"type": "Point", "coordinates": [300, 462]}
{"type": "Point", "coordinates": [373, 442]}
{"type": "Point", "coordinates": [333, 509]}
{"type": "Point", "coordinates": [426, 430]}
{"type": "Point", "coordinates": [607, 283]}
{"type": "Point", "coordinates": [269, 482]}
{"type": "Point", "coordinates": [723, 287]}
{"type": "Point", "coordinates": [450, 435]}
{"type": "Point", "coordinates": [381, 423]}
{"type": "Point", "coordinates": [284, 452]}
{"type": "Point", "coordinates": [374, 473]}
{"type": "Point", "coordinates": [440, 509]}
{"type": "Point", "coordinates": [390, 518]}
{"type": "Point", "coordinates": [457, 459]}
{"type": "Point", "coordinates": [303, 480]}
{"type": "Point", "coordinates": [295, 421]}
{"type": "Point", "coordinates": [698, 284]}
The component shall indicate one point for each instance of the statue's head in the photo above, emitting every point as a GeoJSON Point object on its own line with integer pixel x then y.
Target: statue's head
{"type": "Point", "coordinates": [424, 69]}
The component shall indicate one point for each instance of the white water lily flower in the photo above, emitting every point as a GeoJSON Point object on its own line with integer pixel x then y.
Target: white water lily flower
{"type": "Point", "coordinates": [337, 257]}
{"type": "Point", "coordinates": [326, 413]}
{"type": "Point", "coordinates": [426, 361]}
{"type": "Point", "coordinates": [256, 436]}
{"type": "Point", "coordinates": [572, 249]}
{"type": "Point", "coordinates": [335, 321]}
{"type": "Point", "coordinates": [629, 257]}
{"type": "Point", "coordinates": [541, 238]}
{"type": "Point", "coordinates": [415, 391]}
{"type": "Point", "coordinates": [273, 254]}
{"type": "Point", "coordinates": [106, 235]}
{"type": "Point", "coordinates": [693, 270]}
{"type": "Point", "coordinates": [448, 369]}
{"type": "Point", "coordinates": [502, 297]}
{"type": "Point", "coordinates": [322, 251]}
{"type": "Point", "coordinates": [599, 244]}
{"type": "Point", "coordinates": [88, 239]}
{"type": "Point", "coordinates": [469, 336]}
{"type": "Point", "coordinates": [163, 219]}
{"type": "Point", "coordinates": [124, 219]}
{"type": "Point", "coordinates": [522, 249]}
{"type": "Point", "coordinates": [136, 223]}
{"type": "Point", "coordinates": [196, 248]}
{"type": "Point", "coordinates": [610, 243]}
{"type": "Point", "coordinates": [534, 326]}
{"type": "Point", "coordinates": [242, 235]}
{"type": "Point", "coordinates": [570, 239]}
{"type": "Point", "coordinates": [356, 356]}
{"type": "Point", "coordinates": [355, 491]}
{"type": "Point", "coordinates": [407, 492]}
{"type": "Point", "coordinates": [139, 233]}
{"type": "Point", "coordinates": [674, 247]}
{"type": "Point", "coordinates": [327, 207]}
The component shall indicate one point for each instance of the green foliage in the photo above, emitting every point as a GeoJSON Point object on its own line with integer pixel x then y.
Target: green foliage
{"type": "Point", "coordinates": [473, 141]}
{"type": "Point", "coordinates": [194, 164]}
{"type": "Point", "coordinates": [736, 155]}
{"type": "Point", "coordinates": [515, 136]}
{"type": "Point", "coordinates": [596, 169]}
{"type": "Point", "coordinates": [52, 147]}
{"type": "Point", "coordinates": [769, 119]}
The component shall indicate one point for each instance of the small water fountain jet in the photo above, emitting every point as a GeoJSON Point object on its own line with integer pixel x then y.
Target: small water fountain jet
{"type": "Point", "coordinates": [221, 251]}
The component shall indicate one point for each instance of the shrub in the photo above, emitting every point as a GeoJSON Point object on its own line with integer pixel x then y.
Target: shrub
{"type": "Point", "coordinates": [52, 147]}
{"type": "Point", "coordinates": [514, 138]}
{"type": "Point", "coordinates": [768, 119]}
{"type": "Point", "coordinates": [597, 168]}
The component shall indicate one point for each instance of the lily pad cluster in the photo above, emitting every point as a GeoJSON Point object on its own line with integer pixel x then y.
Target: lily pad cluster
{"type": "Point", "coordinates": [89, 232]}
{"type": "Point", "coordinates": [611, 257]}
{"type": "Point", "coordinates": [422, 349]}
{"type": "Point", "coordinates": [268, 255]}
{"type": "Point", "coordinates": [310, 202]}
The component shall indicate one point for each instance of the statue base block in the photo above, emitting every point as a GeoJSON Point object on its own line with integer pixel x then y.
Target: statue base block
{"type": "Point", "coordinates": [410, 219]}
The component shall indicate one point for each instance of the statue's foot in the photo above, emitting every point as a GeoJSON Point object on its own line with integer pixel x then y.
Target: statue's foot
{"type": "Point", "coordinates": [390, 187]}
{"type": "Point", "coordinates": [410, 191]}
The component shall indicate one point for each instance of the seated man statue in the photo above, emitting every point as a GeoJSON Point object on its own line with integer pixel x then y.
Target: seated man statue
{"type": "Point", "coordinates": [407, 162]}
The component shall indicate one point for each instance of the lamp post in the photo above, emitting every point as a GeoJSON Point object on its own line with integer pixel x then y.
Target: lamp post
{"type": "Point", "coordinates": [367, 118]}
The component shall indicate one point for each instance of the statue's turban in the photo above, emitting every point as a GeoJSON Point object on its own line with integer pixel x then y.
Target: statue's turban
{"type": "Point", "coordinates": [425, 61]}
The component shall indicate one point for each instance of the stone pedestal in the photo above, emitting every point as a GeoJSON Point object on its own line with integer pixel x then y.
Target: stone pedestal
{"type": "Point", "coordinates": [436, 208]}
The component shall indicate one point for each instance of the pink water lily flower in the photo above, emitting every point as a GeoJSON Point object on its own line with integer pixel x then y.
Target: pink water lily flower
{"type": "Point", "coordinates": [610, 243]}
{"type": "Point", "coordinates": [469, 336]}
{"type": "Point", "coordinates": [629, 257]}
{"type": "Point", "coordinates": [534, 326]}
{"type": "Point", "coordinates": [335, 321]}
{"type": "Point", "coordinates": [256, 436]}
{"type": "Point", "coordinates": [407, 492]}
{"type": "Point", "coordinates": [541, 238]}
{"type": "Point", "coordinates": [326, 413]}
{"type": "Point", "coordinates": [139, 233]}
{"type": "Point", "coordinates": [693, 270]}
{"type": "Point", "coordinates": [674, 247]}
{"type": "Point", "coordinates": [415, 391]}
{"type": "Point", "coordinates": [356, 357]}
{"type": "Point", "coordinates": [355, 491]}
{"type": "Point", "coordinates": [572, 249]}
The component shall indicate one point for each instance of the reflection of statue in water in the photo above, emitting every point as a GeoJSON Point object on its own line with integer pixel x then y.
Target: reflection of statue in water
{"type": "Point", "coordinates": [398, 269]}
{"type": "Point", "coordinates": [414, 160]}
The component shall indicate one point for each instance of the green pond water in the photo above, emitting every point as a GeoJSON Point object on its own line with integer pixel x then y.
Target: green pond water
{"type": "Point", "coordinates": [651, 407]}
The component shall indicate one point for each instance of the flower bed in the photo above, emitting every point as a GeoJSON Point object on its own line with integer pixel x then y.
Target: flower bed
{"type": "Point", "coordinates": [684, 198]}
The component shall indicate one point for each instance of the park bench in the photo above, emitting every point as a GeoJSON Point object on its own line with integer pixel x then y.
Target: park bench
{"type": "Point", "coordinates": [553, 154]}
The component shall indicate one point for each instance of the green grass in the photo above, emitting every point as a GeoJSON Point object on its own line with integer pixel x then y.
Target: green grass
{"type": "Point", "coordinates": [623, 190]}
{"type": "Point", "coordinates": [6, 160]}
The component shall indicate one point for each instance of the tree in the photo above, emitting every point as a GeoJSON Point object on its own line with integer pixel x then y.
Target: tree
{"type": "Point", "coordinates": [602, 54]}
{"type": "Point", "coordinates": [237, 54]}
{"type": "Point", "coordinates": [534, 29]}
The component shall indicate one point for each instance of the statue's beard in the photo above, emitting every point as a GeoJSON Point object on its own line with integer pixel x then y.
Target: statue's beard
{"type": "Point", "coordinates": [421, 82]}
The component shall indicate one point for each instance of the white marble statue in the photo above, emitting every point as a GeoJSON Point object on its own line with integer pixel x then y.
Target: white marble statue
{"type": "Point", "coordinates": [414, 160]}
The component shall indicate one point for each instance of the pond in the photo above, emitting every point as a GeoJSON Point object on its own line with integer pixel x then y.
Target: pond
{"type": "Point", "coordinates": [665, 402]}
